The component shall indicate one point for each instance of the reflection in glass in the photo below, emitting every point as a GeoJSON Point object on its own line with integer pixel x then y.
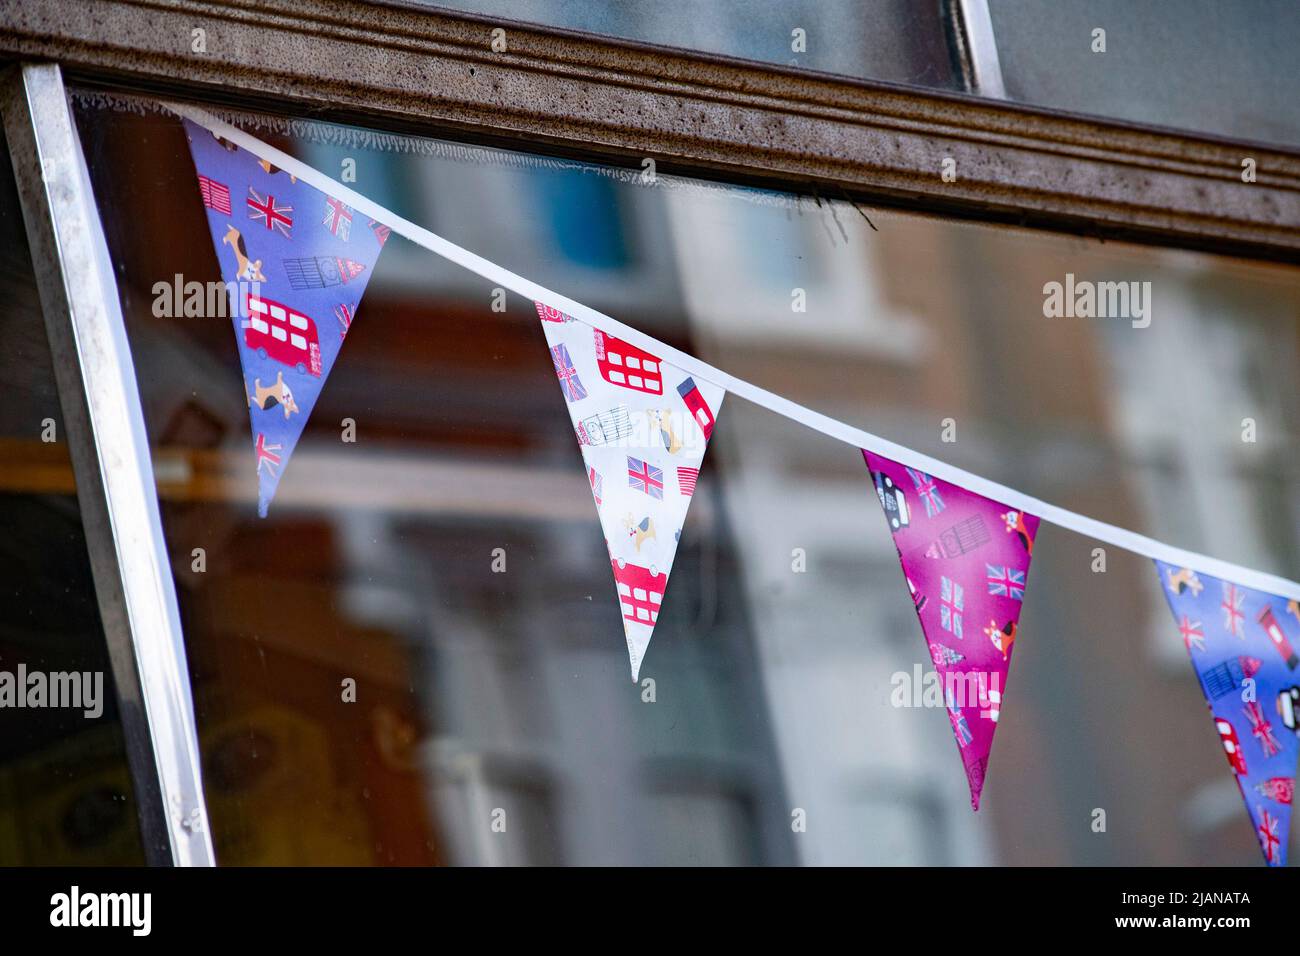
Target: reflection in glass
{"type": "Point", "coordinates": [493, 720]}
{"type": "Point", "coordinates": [901, 41]}
{"type": "Point", "coordinates": [1199, 65]}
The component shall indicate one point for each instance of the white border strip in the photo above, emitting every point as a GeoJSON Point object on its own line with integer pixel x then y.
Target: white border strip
{"type": "Point", "coordinates": [497, 275]}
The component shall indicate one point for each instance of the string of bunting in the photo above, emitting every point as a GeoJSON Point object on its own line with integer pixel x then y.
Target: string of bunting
{"type": "Point", "coordinates": [643, 413]}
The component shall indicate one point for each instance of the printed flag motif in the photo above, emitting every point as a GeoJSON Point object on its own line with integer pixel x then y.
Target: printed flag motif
{"type": "Point", "coordinates": [1231, 605]}
{"type": "Point", "coordinates": [951, 602]}
{"type": "Point", "coordinates": [285, 282]}
{"type": "Point", "coordinates": [344, 313]}
{"type": "Point", "coordinates": [645, 477]}
{"type": "Point", "coordinates": [1193, 634]}
{"type": "Point", "coordinates": [1240, 642]}
{"type": "Point", "coordinates": [960, 726]}
{"type": "Point", "coordinates": [568, 375]}
{"type": "Point", "coordinates": [1269, 841]}
{"type": "Point", "coordinates": [338, 218]}
{"type": "Point", "coordinates": [215, 195]}
{"type": "Point", "coordinates": [927, 491]}
{"type": "Point", "coordinates": [270, 213]}
{"type": "Point", "coordinates": [946, 535]}
{"type": "Point", "coordinates": [267, 457]}
{"type": "Point", "coordinates": [636, 416]}
{"type": "Point", "coordinates": [1006, 581]}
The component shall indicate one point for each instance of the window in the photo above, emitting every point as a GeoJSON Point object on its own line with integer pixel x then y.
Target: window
{"type": "Point", "coordinates": [1195, 64]}
{"type": "Point", "coordinates": [893, 40]}
{"type": "Point", "coordinates": [838, 221]}
{"type": "Point", "coordinates": [477, 690]}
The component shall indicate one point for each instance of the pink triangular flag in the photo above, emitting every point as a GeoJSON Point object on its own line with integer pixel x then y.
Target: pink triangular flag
{"type": "Point", "coordinates": [966, 562]}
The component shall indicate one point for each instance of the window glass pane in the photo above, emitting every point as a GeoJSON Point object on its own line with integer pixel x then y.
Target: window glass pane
{"type": "Point", "coordinates": [1201, 65]}
{"type": "Point", "coordinates": [774, 688]}
{"type": "Point", "coordinates": [897, 40]}
{"type": "Point", "coordinates": [65, 791]}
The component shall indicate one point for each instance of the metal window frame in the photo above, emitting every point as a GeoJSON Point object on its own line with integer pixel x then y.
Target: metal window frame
{"type": "Point", "coordinates": [111, 464]}
{"type": "Point", "coordinates": [424, 70]}
{"type": "Point", "coordinates": [975, 47]}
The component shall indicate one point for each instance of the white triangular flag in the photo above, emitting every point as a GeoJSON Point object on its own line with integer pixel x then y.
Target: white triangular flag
{"type": "Point", "coordinates": [642, 426]}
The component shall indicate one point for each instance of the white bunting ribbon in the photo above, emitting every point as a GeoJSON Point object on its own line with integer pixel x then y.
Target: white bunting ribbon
{"type": "Point", "coordinates": [498, 275]}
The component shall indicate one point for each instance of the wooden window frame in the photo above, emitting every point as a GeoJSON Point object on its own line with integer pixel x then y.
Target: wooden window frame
{"type": "Point", "coordinates": [425, 70]}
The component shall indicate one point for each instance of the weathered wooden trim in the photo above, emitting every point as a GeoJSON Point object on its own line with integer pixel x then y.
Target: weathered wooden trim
{"type": "Point", "coordinates": [428, 70]}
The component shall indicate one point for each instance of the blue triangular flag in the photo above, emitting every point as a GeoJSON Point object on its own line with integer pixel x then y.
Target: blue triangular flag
{"type": "Point", "coordinates": [1243, 645]}
{"type": "Point", "coordinates": [296, 265]}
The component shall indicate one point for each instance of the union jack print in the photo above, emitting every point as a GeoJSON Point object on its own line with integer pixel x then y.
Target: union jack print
{"type": "Point", "coordinates": [381, 232]}
{"type": "Point", "coordinates": [1192, 632]}
{"type": "Point", "coordinates": [344, 313]}
{"type": "Point", "coordinates": [952, 601]}
{"type": "Point", "coordinates": [686, 479]}
{"type": "Point", "coordinates": [1269, 841]}
{"type": "Point", "coordinates": [215, 195]}
{"type": "Point", "coordinates": [568, 375]}
{"type": "Point", "coordinates": [338, 218]}
{"type": "Point", "coordinates": [266, 455]}
{"type": "Point", "coordinates": [928, 492]}
{"type": "Point", "coordinates": [1006, 581]}
{"type": "Point", "coordinates": [597, 484]}
{"type": "Point", "coordinates": [1233, 616]}
{"type": "Point", "coordinates": [644, 476]}
{"type": "Point", "coordinates": [960, 728]}
{"type": "Point", "coordinates": [269, 213]}
{"type": "Point", "coordinates": [1261, 728]}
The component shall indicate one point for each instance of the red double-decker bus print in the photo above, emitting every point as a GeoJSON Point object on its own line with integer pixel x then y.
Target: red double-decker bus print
{"type": "Point", "coordinates": [627, 366]}
{"type": "Point", "coordinates": [282, 334]}
{"type": "Point", "coordinates": [640, 591]}
{"type": "Point", "coordinates": [1273, 628]}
